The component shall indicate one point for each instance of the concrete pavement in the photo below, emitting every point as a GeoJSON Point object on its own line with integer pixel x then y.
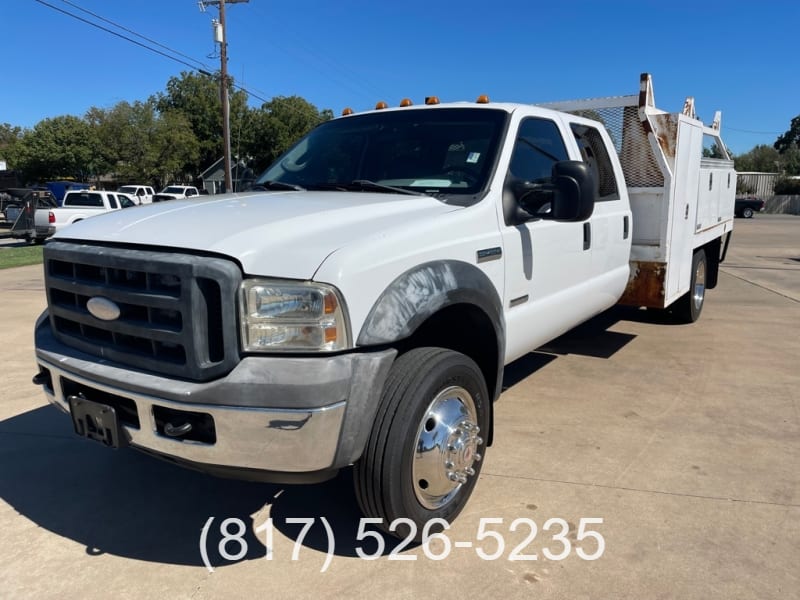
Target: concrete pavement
{"type": "Point", "coordinates": [683, 439]}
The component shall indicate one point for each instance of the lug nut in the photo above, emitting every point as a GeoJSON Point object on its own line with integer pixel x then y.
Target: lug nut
{"type": "Point", "coordinates": [452, 476]}
{"type": "Point", "coordinates": [477, 457]}
{"type": "Point", "coordinates": [449, 464]}
{"type": "Point", "coordinates": [469, 471]}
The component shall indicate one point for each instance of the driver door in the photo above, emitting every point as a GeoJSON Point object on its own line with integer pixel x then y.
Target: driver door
{"type": "Point", "coordinates": [547, 262]}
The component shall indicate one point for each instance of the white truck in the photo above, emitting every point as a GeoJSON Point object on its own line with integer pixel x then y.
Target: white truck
{"type": "Point", "coordinates": [176, 192]}
{"type": "Point", "coordinates": [142, 194]}
{"type": "Point", "coordinates": [82, 204]}
{"type": "Point", "coordinates": [359, 306]}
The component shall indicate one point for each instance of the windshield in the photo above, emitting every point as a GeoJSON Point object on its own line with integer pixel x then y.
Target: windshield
{"type": "Point", "coordinates": [173, 190]}
{"type": "Point", "coordinates": [446, 152]}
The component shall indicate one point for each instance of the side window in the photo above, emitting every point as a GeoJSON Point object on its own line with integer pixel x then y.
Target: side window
{"type": "Point", "coordinates": [538, 147]}
{"type": "Point", "coordinates": [594, 153]}
{"type": "Point", "coordinates": [112, 201]}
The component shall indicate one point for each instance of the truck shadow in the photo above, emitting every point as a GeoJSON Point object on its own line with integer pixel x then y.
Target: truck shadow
{"type": "Point", "coordinates": [128, 504]}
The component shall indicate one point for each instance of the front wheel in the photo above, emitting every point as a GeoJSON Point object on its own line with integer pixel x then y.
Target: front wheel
{"type": "Point", "coordinates": [423, 456]}
{"type": "Point", "coordinates": [690, 305]}
{"type": "Point", "coordinates": [747, 213]}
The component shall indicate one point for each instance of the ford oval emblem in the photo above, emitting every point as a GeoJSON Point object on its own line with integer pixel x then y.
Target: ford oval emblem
{"type": "Point", "coordinates": [103, 308]}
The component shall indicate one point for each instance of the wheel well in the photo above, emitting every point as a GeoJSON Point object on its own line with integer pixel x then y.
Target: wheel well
{"type": "Point", "coordinates": [463, 328]}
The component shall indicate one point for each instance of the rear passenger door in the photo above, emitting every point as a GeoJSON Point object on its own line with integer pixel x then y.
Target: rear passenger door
{"type": "Point", "coordinates": [610, 227]}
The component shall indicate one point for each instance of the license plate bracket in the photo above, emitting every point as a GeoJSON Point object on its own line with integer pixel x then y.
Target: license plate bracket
{"type": "Point", "coordinates": [96, 421]}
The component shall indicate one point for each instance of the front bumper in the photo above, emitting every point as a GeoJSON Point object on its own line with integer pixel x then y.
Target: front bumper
{"type": "Point", "coordinates": [278, 415]}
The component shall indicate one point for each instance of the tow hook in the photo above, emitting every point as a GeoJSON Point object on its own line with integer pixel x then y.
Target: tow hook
{"type": "Point", "coordinates": [179, 431]}
{"type": "Point", "coordinates": [40, 378]}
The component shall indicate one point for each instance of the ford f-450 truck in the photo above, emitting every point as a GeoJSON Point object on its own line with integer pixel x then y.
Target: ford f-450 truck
{"type": "Point", "coordinates": [359, 305]}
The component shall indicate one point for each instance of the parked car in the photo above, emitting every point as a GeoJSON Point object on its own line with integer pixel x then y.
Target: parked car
{"type": "Point", "coordinates": [32, 224]}
{"type": "Point", "coordinates": [79, 205]}
{"type": "Point", "coordinates": [142, 194]}
{"type": "Point", "coordinates": [175, 192]}
{"type": "Point", "coordinates": [745, 207]}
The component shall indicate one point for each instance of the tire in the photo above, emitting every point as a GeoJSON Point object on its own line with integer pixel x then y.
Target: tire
{"type": "Point", "coordinates": [747, 213]}
{"type": "Point", "coordinates": [690, 305]}
{"type": "Point", "coordinates": [423, 456]}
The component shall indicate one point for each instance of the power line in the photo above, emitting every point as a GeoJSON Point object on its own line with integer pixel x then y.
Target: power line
{"type": "Point", "coordinates": [756, 132]}
{"type": "Point", "coordinates": [117, 25]}
{"type": "Point", "coordinates": [119, 35]}
{"type": "Point", "coordinates": [193, 67]}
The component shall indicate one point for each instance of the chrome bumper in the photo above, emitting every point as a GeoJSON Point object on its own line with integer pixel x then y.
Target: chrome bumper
{"type": "Point", "coordinates": [250, 438]}
{"type": "Point", "coordinates": [277, 415]}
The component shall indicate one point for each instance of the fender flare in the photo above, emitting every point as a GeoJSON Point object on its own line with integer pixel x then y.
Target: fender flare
{"type": "Point", "coordinates": [422, 291]}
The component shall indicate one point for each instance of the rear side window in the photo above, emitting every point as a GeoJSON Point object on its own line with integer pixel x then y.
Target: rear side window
{"type": "Point", "coordinates": [91, 199]}
{"type": "Point", "coordinates": [594, 153]}
{"type": "Point", "coordinates": [112, 201]}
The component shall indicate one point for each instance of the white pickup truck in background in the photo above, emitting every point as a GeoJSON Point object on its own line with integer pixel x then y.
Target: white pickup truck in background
{"type": "Point", "coordinates": [176, 192]}
{"type": "Point", "coordinates": [359, 305]}
{"type": "Point", "coordinates": [142, 194]}
{"type": "Point", "coordinates": [82, 204]}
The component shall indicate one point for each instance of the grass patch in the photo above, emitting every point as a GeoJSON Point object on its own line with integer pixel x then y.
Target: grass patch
{"type": "Point", "coordinates": [20, 256]}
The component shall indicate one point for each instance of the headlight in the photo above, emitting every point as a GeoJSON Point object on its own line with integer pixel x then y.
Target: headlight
{"type": "Point", "coordinates": [281, 316]}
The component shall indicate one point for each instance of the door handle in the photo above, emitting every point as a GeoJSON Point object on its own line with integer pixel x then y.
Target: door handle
{"type": "Point", "coordinates": [625, 227]}
{"type": "Point", "coordinates": [587, 235]}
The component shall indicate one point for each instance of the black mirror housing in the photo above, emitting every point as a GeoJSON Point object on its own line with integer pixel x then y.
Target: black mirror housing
{"type": "Point", "coordinates": [574, 193]}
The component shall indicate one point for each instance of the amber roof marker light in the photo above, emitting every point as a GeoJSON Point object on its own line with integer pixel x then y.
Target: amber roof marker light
{"type": "Point", "coordinates": [381, 105]}
{"type": "Point", "coordinates": [482, 99]}
{"type": "Point", "coordinates": [406, 102]}
{"type": "Point", "coordinates": [431, 100]}
{"type": "Point", "coordinates": [347, 111]}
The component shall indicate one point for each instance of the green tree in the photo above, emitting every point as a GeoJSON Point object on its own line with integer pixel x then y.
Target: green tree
{"type": "Point", "coordinates": [790, 138]}
{"type": "Point", "coordinates": [762, 158]}
{"type": "Point", "coordinates": [144, 146]}
{"type": "Point", "coordinates": [60, 147]}
{"type": "Point", "coordinates": [278, 124]}
{"type": "Point", "coordinates": [9, 138]}
{"type": "Point", "coordinates": [197, 97]}
{"type": "Point", "coordinates": [172, 147]}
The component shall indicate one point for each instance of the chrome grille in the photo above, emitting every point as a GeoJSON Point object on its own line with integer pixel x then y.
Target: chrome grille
{"type": "Point", "coordinates": [177, 311]}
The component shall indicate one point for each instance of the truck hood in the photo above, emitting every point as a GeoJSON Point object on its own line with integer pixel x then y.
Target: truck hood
{"type": "Point", "coordinates": [277, 234]}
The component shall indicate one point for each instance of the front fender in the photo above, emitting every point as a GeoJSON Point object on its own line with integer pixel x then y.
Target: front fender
{"type": "Point", "coordinates": [422, 291]}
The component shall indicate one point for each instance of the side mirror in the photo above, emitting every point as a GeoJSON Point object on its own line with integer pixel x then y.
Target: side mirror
{"type": "Point", "coordinates": [574, 193]}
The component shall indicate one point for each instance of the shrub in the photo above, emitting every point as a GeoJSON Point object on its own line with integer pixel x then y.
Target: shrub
{"type": "Point", "coordinates": [787, 187]}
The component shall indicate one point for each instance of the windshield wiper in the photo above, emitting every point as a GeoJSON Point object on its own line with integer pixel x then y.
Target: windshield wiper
{"type": "Point", "coordinates": [372, 186]}
{"type": "Point", "coordinates": [277, 185]}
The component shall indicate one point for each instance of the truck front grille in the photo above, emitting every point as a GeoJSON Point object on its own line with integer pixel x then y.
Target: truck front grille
{"type": "Point", "coordinates": [177, 311]}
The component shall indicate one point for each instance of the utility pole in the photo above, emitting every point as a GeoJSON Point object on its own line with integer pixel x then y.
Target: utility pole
{"type": "Point", "coordinates": [220, 36]}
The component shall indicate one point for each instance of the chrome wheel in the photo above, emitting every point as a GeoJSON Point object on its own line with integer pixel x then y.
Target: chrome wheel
{"type": "Point", "coordinates": [699, 291]}
{"type": "Point", "coordinates": [446, 447]}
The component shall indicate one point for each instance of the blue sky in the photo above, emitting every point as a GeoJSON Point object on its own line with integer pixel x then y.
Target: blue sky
{"type": "Point", "coordinates": [738, 57]}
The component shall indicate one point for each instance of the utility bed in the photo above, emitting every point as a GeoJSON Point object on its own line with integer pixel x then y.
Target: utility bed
{"type": "Point", "coordinates": [681, 198]}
